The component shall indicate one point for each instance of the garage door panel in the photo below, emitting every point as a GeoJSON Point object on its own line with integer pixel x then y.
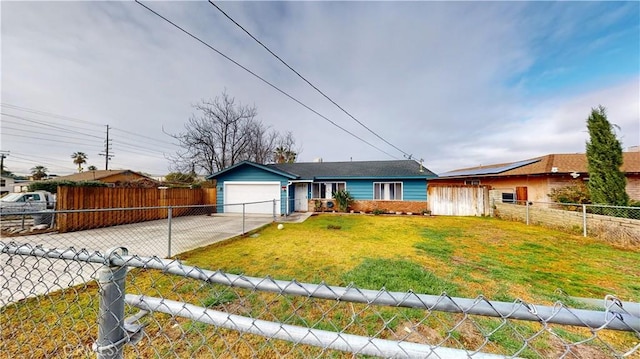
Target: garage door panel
{"type": "Point", "coordinates": [236, 193]}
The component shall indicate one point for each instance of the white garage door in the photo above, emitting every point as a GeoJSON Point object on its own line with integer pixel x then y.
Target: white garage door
{"type": "Point", "coordinates": [244, 192]}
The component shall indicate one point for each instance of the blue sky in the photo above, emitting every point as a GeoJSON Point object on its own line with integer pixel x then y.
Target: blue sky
{"type": "Point", "coordinates": [458, 84]}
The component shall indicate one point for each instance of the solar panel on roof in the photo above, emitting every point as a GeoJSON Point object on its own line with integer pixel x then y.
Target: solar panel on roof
{"type": "Point", "coordinates": [489, 170]}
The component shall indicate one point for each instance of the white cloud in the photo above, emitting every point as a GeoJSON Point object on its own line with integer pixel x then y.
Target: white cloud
{"type": "Point", "coordinates": [446, 82]}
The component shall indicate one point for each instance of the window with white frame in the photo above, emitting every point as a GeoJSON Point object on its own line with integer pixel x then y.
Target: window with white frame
{"type": "Point", "coordinates": [325, 190]}
{"type": "Point", "coordinates": [390, 191]}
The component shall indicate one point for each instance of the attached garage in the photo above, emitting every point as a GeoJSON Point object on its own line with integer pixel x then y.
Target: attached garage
{"type": "Point", "coordinates": [236, 192]}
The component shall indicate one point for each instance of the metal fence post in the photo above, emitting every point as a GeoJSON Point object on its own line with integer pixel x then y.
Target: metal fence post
{"type": "Point", "coordinates": [584, 220]}
{"type": "Point", "coordinates": [169, 216]}
{"type": "Point", "coordinates": [274, 209]}
{"type": "Point", "coordinates": [111, 334]}
{"type": "Point", "coordinates": [527, 204]}
{"type": "Point", "coordinates": [243, 218]}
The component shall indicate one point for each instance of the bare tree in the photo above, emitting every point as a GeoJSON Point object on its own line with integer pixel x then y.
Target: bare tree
{"type": "Point", "coordinates": [220, 134]}
{"type": "Point", "coordinates": [263, 142]}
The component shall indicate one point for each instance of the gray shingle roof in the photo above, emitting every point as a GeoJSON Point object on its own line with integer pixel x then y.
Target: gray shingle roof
{"type": "Point", "coordinates": [357, 169]}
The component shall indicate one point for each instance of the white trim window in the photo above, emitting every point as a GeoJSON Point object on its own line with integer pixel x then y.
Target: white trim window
{"type": "Point", "coordinates": [388, 191]}
{"type": "Point", "coordinates": [325, 190]}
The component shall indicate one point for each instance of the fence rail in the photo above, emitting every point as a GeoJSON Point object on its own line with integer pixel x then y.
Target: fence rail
{"type": "Point", "coordinates": [613, 223]}
{"type": "Point", "coordinates": [180, 310]}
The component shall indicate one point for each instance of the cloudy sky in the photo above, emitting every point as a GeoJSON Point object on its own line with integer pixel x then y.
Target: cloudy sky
{"type": "Point", "coordinates": [457, 84]}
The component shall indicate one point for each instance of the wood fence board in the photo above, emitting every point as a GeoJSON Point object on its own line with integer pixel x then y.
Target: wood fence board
{"type": "Point", "coordinates": [80, 198]}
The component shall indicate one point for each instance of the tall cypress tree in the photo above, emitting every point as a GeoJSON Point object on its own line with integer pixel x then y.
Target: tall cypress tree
{"type": "Point", "coordinates": [604, 158]}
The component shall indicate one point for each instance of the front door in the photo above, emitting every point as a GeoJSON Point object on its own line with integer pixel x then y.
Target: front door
{"type": "Point", "coordinates": [301, 197]}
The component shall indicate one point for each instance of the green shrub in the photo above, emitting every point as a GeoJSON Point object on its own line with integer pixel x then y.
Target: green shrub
{"type": "Point", "coordinates": [52, 186]}
{"type": "Point", "coordinates": [576, 192]}
{"type": "Point", "coordinates": [344, 199]}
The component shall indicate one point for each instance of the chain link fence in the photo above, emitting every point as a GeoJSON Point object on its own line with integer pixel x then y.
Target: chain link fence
{"type": "Point", "coordinates": [620, 225]}
{"type": "Point", "coordinates": [153, 231]}
{"type": "Point", "coordinates": [111, 304]}
{"type": "Point", "coordinates": [182, 228]}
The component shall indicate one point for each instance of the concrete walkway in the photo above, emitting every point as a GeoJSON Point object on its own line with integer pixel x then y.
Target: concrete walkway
{"type": "Point", "coordinates": [296, 217]}
{"type": "Point", "coordinates": [22, 277]}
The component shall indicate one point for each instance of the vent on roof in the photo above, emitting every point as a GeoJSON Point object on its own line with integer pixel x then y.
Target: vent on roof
{"type": "Point", "coordinates": [554, 169]}
{"type": "Point", "coordinates": [317, 159]}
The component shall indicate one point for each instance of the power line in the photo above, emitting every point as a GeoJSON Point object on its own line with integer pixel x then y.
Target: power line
{"type": "Point", "coordinates": [48, 125]}
{"type": "Point", "coordinates": [44, 113]}
{"type": "Point", "coordinates": [139, 135]}
{"type": "Point", "coordinates": [41, 133]}
{"type": "Point", "coordinates": [261, 78]}
{"type": "Point", "coordinates": [67, 118]}
{"type": "Point", "coordinates": [305, 80]}
{"type": "Point", "coordinates": [44, 139]}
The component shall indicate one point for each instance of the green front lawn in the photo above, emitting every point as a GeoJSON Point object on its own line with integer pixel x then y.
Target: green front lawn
{"type": "Point", "coordinates": [463, 257]}
{"type": "Point", "coordinates": [474, 255]}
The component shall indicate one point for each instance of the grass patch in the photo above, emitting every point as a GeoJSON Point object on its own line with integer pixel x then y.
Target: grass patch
{"type": "Point", "coordinates": [439, 242]}
{"type": "Point", "coordinates": [397, 276]}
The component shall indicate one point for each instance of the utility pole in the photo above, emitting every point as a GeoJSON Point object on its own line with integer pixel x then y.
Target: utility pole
{"type": "Point", "coordinates": [3, 155]}
{"type": "Point", "coordinates": [107, 147]}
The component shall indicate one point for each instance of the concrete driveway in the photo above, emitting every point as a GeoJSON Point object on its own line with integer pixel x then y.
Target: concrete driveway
{"type": "Point", "coordinates": [22, 276]}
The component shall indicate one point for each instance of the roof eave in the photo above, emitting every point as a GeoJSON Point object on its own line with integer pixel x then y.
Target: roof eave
{"type": "Point", "coordinates": [374, 177]}
{"type": "Point", "coordinates": [253, 164]}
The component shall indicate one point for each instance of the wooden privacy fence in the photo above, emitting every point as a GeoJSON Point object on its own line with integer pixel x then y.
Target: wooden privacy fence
{"type": "Point", "coordinates": [459, 200]}
{"type": "Point", "coordinates": [87, 198]}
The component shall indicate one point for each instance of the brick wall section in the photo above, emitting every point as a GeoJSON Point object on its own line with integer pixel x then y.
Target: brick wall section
{"type": "Point", "coordinates": [613, 228]}
{"type": "Point", "coordinates": [415, 207]}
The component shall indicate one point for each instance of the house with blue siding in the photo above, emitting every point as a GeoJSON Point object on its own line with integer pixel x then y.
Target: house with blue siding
{"type": "Point", "coordinates": [283, 188]}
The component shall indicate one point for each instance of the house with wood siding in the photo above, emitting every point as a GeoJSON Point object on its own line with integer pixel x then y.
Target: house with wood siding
{"type": "Point", "coordinates": [309, 186]}
{"type": "Point", "coordinates": [533, 179]}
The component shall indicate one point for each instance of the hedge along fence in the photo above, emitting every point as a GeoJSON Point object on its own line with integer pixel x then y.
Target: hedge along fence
{"type": "Point", "coordinates": [88, 198]}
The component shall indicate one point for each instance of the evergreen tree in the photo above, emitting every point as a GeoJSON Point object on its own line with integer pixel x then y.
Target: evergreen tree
{"type": "Point", "coordinates": [604, 158]}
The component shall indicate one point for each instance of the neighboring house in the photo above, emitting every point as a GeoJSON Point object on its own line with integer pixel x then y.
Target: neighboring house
{"type": "Point", "coordinates": [6, 185]}
{"type": "Point", "coordinates": [106, 176]}
{"type": "Point", "coordinates": [21, 186]}
{"type": "Point", "coordinates": [533, 179]}
{"type": "Point", "coordinates": [389, 185]}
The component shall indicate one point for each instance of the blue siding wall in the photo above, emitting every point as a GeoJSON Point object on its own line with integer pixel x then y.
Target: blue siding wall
{"type": "Point", "coordinates": [414, 189]}
{"type": "Point", "coordinates": [360, 189]}
{"type": "Point", "coordinates": [249, 174]}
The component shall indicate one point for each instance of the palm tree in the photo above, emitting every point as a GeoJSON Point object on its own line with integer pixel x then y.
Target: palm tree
{"type": "Point", "coordinates": [79, 158]}
{"type": "Point", "coordinates": [284, 155]}
{"type": "Point", "coordinates": [92, 168]}
{"type": "Point", "coordinates": [39, 172]}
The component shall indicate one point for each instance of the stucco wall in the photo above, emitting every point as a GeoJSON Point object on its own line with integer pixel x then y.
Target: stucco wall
{"type": "Point", "coordinates": [633, 188]}
{"type": "Point", "coordinates": [538, 187]}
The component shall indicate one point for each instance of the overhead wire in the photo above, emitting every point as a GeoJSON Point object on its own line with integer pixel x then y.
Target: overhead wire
{"type": "Point", "coordinates": [143, 136]}
{"type": "Point", "coordinates": [39, 123]}
{"type": "Point", "coordinates": [261, 78]}
{"type": "Point", "coordinates": [307, 81]}
{"type": "Point", "coordinates": [50, 114]}
{"type": "Point", "coordinates": [55, 133]}
{"type": "Point", "coordinates": [49, 125]}
{"type": "Point", "coordinates": [67, 118]}
{"type": "Point", "coordinates": [39, 133]}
